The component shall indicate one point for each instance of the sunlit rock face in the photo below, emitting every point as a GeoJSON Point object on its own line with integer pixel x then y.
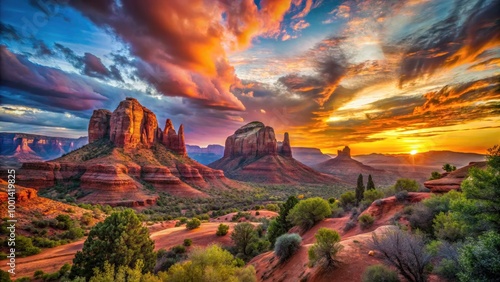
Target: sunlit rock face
{"type": "Point", "coordinates": [253, 154]}
{"type": "Point", "coordinates": [132, 125]}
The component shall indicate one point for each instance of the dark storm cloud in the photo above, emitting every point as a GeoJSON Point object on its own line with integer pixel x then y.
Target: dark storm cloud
{"type": "Point", "coordinates": [89, 64]}
{"type": "Point", "coordinates": [41, 49]}
{"type": "Point", "coordinates": [9, 32]}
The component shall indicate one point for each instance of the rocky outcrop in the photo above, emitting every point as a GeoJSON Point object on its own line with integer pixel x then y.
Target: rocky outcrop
{"type": "Point", "coordinates": [452, 180]}
{"type": "Point", "coordinates": [99, 125]}
{"type": "Point", "coordinates": [252, 140]}
{"type": "Point", "coordinates": [132, 125]}
{"type": "Point", "coordinates": [253, 154]}
{"type": "Point", "coordinates": [344, 153]}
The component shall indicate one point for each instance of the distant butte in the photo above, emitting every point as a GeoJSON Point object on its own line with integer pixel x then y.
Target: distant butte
{"type": "Point", "coordinates": [253, 154]}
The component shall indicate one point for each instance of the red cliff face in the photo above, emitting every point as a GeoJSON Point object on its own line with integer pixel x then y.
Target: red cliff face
{"type": "Point", "coordinates": [253, 154]}
{"type": "Point", "coordinates": [132, 125]}
{"type": "Point", "coordinates": [252, 140]}
{"type": "Point", "coordinates": [99, 125]}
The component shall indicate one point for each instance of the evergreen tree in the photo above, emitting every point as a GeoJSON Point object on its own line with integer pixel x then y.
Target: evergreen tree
{"type": "Point", "coordinates": [280, 225]}
{"type": "Point", "coordinates": [360, 189]}
{"type": "Point", "coordinates": [370, 185]}
{"type": "Point", "coordinates": [120, 240]}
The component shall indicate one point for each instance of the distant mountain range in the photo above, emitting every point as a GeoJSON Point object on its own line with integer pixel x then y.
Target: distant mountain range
{"type": "Point", "coordinates": [16, 148]}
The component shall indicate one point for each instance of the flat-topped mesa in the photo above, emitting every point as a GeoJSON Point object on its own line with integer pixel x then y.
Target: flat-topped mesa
{"type": "Point", "coordinates": [131, 125]}
{"type": "Point", "coordinates": [344, 154]}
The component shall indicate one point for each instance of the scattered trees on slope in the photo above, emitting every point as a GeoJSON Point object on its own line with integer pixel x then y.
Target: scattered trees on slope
{"type": "Point", "coordinates": [309, 211]}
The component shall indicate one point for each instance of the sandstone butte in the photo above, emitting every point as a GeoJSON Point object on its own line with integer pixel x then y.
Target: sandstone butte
{"type": "Point", "coordinates": [453, 180]}
{"type": "Point", "coordinates": [253, 154]}
{"type": "Point", "coordinates": [348, 169]}
{"type": "Point", "coordinates": [128, 160]}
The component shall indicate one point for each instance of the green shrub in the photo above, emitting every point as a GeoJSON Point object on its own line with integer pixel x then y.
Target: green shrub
{"type": "Point", "coordinates": [379, 273]}
{"type": "Point", "coordinates": [406, 184]}
{"type": "Point", "coordinates": [193, 223]}
{"type": "Point", "coordinates": [38, 274]}
{"type": "Point", "coordinates": [479, 258]}
{"type": "Point", "coordinates": [286, 245]}
{"type": "Point", "coordinates": [73, 233]}
{"type": "Point", "coordinates": [272, 207]}
{"type": "Point", "coordinates": [447, 227]}
{"type": "Point", "coordinates": [222, 229]}
{"type": "Point", "coordinates": [45, 242]}
{"type": "Point", "coordinates": [365, 221]}
{"type": "Point", "coordinates": [25, 246]}
{"type": "Point", "coordinates": [188, 242]}
{"type": "Point", "coordinates": [64, 222]}
{"type": "Point", "coordinates": [179, 249]}
{"type": "Point", "coordinates": [308, 212]}
{"type": "Point", "coordinates": [326, 248]}
{"type": "Point", "coordinates": [369, 196]}
{"type": "Point", "coordinates": [401, 196]}
{"type": "Point", "coordinates": [4, 276]}
{"type": "Point", "coordinates": [348, 200]}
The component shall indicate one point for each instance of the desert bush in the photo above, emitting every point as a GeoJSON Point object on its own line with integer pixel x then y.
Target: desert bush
{"type": "Point", "coordinates": [326, 248]}
{"type": "Point", "coordinates": [222, 229]}
{"type": "Point", "coordinates": [24, 246]}
{"type": "Point", "coordinates": [401, 196]}
{"type": "Point", "coordinates": [365, 221]}
{"type": "Point", "coordinates": [371, 195]}
{"type": "Point", "coordinates": [42, 242]}
{"type": "Point", "coordinates": [87, 219]}
{"type": "Point", "coordinates": [406, 184]}
{"type": "Point", "coordinates": [179, 249]}
{"type": "Point", "coordinates": [347, 200]}
{"type": "Point", "coordinates": [188, 242]}
{"type": "Point", "coordinates": [38, 274]}
{"type": "Point", "coordinates": [379, 273]}
{"type": "Point", "coordinates": [308, 212]}
{"type": "Point", "coordinates": [243, 235]}
{"type": "Point", "coordinates": [447, 227]}
{"type": "Point", "coordinates": [281, 224]}
{"type": "Point", "coordinates": [210, 264]}
{"type": "Point", "coordinates": [350, 225]}
{"type": "Point", "coordinates": [73, 233]}
{"type": "Point", "coordinates": [272, 207]}
{"type": "Point", "coordinates": [286, 245]}
{"type": "Point", "coordinates": [479, 258]}
{"type": "Point", "coordinates": [405, 251]}
{"type": "Point", "coordinates": [64, 222]}
{"type": "Point", "coordinates": [193, 223]}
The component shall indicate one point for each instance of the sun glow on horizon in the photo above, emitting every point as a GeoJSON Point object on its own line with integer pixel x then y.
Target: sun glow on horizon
{"type": "Point", "coordinates": [413, 152]}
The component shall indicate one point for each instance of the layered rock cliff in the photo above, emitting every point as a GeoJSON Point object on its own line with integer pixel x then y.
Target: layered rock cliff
{"type": "Point", "coordinates": [253, 154]}
{"type": "Point", "coordinates": [128, 161]}
{"type": "Point", "coordinates": [452, 180]}
{"type": "Point", "coordinates": [132, 125]}
{"type": "Point", "coordinates": [16, 148]}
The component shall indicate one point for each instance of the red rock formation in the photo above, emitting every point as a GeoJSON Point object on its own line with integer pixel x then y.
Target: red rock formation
{"type": "Point", "coordinates": [452, 180]}
{"type": "Point", "coordinates": [285, 148]}
{"type": "Point", "coordinates": [252, 154]}
{"type": "Point", "coordinates": [39, 174]}
{"type": "Point", "coordinates": [99, 125]}
{"type": "Point", "coordinates": [346, 168]}
{"type": "Point", "coordinates": [131, 125]}
{"type": "Point", "coordinates": [252, 140]}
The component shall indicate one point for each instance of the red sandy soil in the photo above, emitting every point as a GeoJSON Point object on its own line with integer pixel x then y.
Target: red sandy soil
{"type": "Point", "coordinates": [50, 260]}
{"type": "Point", "coordinates": [354, 257]}
{"type": "Point", "coordinates": [262, 214]}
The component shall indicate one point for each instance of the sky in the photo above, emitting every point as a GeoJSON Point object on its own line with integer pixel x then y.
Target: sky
{"type": "Point", "coordinates": [380, 76]}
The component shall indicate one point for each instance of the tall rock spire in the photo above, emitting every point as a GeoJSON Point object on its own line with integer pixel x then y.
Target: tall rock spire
{"type": "Point", "coordinates": [286, 149]}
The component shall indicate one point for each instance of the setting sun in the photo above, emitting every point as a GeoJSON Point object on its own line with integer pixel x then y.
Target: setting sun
{"type": "Point", "coordinates": [413, 152]}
